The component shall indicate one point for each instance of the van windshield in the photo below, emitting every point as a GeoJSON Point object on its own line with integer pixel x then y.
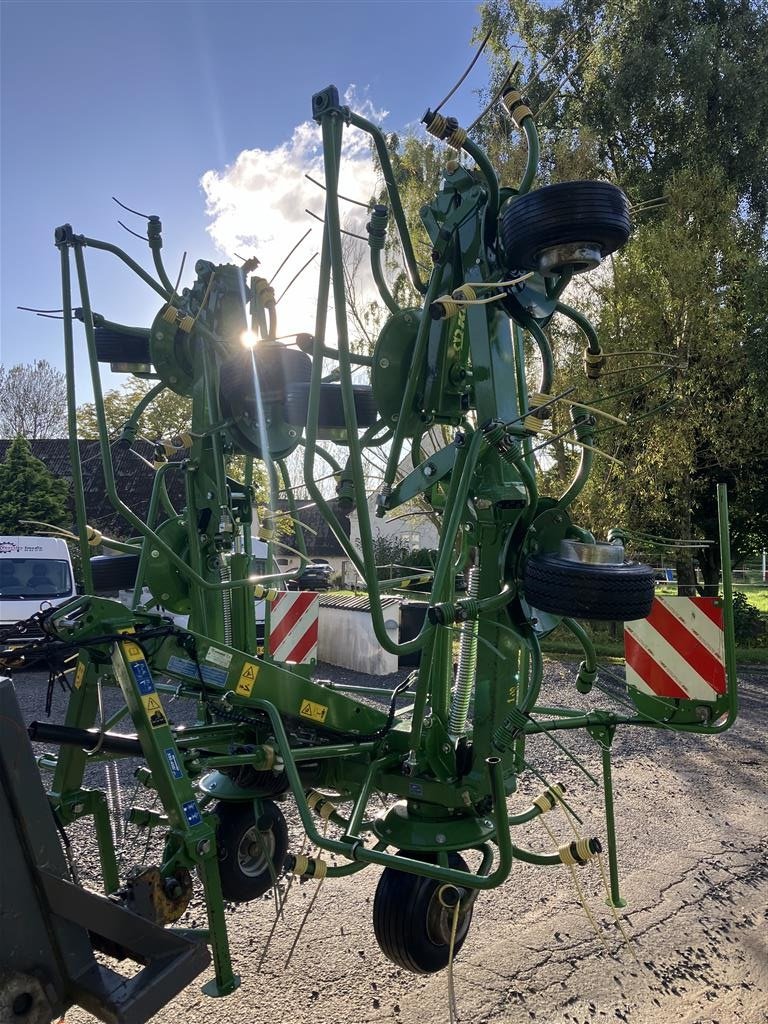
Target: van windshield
{"type": "Point", "coordinates": [34, 578]}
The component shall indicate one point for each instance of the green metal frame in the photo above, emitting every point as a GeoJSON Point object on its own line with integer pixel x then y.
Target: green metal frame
{"type": "Point", "coordinates": [465, 371]}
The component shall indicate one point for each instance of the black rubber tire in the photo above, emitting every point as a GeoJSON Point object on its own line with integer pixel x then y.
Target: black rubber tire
{"type": "Point", "coordinates": [572, 211]}
{"type": "Point", "coordinates": [114, 572]}
{"type": "Point", "coordinates": [120, 347]}
{"type": "Point", "coordinates": [401, 915]}
{"type": "Point", "coordinates": [580, 590]}
{"type": "Point", "coordinates": [331, 411]}
{"type": "Point", "coordinates": [236, 819]}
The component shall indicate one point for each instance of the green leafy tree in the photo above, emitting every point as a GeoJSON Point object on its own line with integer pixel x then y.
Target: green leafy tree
{"type": "Point", "coordinates": [29, 491]}
{"type": "Point", "coordinates": [680, 294]}
{"type": "Point", "coordinates": [652, 95]}
{"type": "Point", "coordinates": [167, 415]}
{"type": "Point", "coordinates": [649, 88]}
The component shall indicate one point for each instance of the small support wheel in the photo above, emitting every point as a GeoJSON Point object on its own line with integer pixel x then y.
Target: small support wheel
{"type": "Point", "coordinates": [411, 922]}
{"type": "Point", "coordinates": [247, 846]}
{"type": "Point", "coordinates": [580, 590]}
{"type": "Point", "coordinates": [572, 225]}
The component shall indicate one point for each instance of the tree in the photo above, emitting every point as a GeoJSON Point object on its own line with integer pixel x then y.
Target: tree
{"type": "Point", "coordinates": [167, 415]}
{"type": "Point", "coordinates": [652, 96]}
{"type": "Point", "coordinates": [33, 401]}
{"type": "Point", "coordinates": [683, 290]}
{"type": "Point", "coordinates": [650, 87]}
{"type": "Point", "coordinates": [29, 491]}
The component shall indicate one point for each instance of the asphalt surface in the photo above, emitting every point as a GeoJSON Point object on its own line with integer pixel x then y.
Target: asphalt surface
{"type": "Point", "coordinates": [692, 817]}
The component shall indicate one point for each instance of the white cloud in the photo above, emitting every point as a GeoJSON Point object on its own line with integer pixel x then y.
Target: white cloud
{"type": "Point", "coordinates": [257, 206]}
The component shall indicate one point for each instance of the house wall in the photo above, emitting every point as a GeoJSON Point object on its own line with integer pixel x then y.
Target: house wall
{"type": "Point", "coordinates": [414, 532]}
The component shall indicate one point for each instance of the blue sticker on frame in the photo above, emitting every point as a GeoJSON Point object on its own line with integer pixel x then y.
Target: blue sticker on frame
{"type": "Point", "coordinates": [173, 762]}
{"type": "Point", "coordinates": [192, 813]}
{"type": "Point", "coordinates": [143, 678]}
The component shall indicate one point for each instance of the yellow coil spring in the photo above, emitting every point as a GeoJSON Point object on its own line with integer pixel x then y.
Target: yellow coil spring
{"type": "Point", "coordinates": [94, 536]}
{"type": "Point", "coordinates": [450, 306]}
{"type": "Point", "coordinates": [265, 293]}
{"type": "Point", "coordinates": [517, 108]}
{"type": "Point", "coordinates": [457, 138]}
{"type": "Point", "coordinates": [549, 799]}
{"type": "Point", "coordinates": [313, 867]}
{"type": "Point", "coordinates": [437, 126]}
{"type": "Point", "coordinates": [577, 852]}
{"type": "Point", "coordinates": [593, 363]}
{"type": "Point", "coordinates": [321, 805]}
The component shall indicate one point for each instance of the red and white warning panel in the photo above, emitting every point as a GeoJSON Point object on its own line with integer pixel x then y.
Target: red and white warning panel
{"type": "Point", "coordinates": [293, 626]}
{"type": "Point", "coordinates": [679, 650]}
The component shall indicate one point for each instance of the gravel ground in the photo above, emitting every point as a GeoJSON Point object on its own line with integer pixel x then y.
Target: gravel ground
{"type": "Point", "coordinates": [693, 836]}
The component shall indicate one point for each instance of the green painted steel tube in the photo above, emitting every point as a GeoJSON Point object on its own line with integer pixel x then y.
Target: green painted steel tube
{"type": "Point", "coordinates": [331, 258]}
{"type": "Point", "coordinates": [157, 259]}
{"type": "Point", "coordinates": [543, 709]}
{"type": "Point", "coordinates": [332, 353]}
{"type": "Point", "coordinates": [378, 276]}
{"type": "Point", "coordinates": [728, 623]}
{"type": "Point", "coordinates": [380, 143]}
{"type": "Point", "coordinates": [590, 655]}
{"type": "Point", "coordinates": [582, 323]}
{"type": "Point", "coordinates": [545, 351]}
{"type": "Point", "coordinates": [576, 486]}
{"type": "Point", "coordinates": [374, 691]}
{"type": "Point", "coordinates": [412, 383]}
{"type": "Point", "coordinates": [532, 161]}
{"type": "Point", "coordinates": [131, 424]}
{"type": "Point", "coordinates": [354, 850]}
{"type": "Point", "coordinates": [108, 468]}
{"type": "Point", "coordinates": [154, 499]}
{"type": "Point", "coordinates": [298, 531]}
{"type": "Point", "coordinates": [487, 171]}
{"type": "Point", "coordinates": [81, 513]}
{"type": "Point", "coordinates": [529, 857]}
{"type": "Point", "coordinates": [358, 810]}
{"type": "Point", "coordinates": [344, 870]}
{"type": "Point", "coordinates": [610, 828]}
{"type": "Point", "coordinates": [94, 243]}
{"type": "Point", "coordinates": [525, 816]}
{"type": "Point", "coordinates": [555, 288]}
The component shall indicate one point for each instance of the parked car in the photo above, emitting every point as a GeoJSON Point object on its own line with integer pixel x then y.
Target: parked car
{"type": "Point", "coordinates": [316, 576]}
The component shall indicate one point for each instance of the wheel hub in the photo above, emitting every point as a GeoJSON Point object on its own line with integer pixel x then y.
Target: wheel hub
{"type": "Point", "coordinates": [255, 852]}
{"type": "Point", "coordinates": [577, 257]}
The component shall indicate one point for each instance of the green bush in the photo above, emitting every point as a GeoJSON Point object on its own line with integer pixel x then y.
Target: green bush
{"type": "Point", "coordinates": [747, 620]}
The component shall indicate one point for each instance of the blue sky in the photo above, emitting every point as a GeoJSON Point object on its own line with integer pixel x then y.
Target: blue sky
{"type": "Point", "coordinates": [146, 100]}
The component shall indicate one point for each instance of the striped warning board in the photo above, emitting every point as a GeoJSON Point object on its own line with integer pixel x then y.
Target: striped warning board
{"type": "Point", "coordinates": [293, 626]}
{"type": "Point", "coordinates": [678, 651]}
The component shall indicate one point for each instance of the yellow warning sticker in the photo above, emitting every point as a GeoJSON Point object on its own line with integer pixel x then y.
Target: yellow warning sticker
{"type": "Point", "coordinates": [79, 674]}
{"type": "Point", "coordinates": [132, 651]}
{"type": "Point", "coordinates": [317, 712]}
{"type": "Point", "coordinates": [247, 679]}
{"type": "Point", "coordinates": [154, 710]}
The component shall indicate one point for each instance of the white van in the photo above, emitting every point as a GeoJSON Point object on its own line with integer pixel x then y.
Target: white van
{"type": "Point", "coordinates": [33, 571]}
